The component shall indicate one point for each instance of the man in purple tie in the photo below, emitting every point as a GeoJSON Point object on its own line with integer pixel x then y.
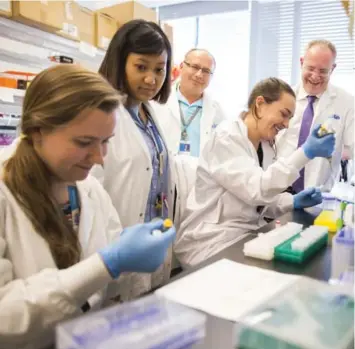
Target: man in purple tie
{"type": "Point", "coordinates": [316, 102]}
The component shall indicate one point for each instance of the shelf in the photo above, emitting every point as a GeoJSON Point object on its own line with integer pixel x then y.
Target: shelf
{"type": "Point", "coordinates": [9, 123]}
{"type": "Point", "coordinates": [20, 43]}
{"type": "Point", "coordinates": [8, 95]}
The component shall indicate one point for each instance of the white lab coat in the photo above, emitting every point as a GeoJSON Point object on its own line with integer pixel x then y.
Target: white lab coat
{"type": "Point", "coordinates": [168, 116]}
{"type": "Point", "coordinates": [126, 176]}
{"type": "Point", "coordinates": [229, 186]}
{"type": "Point", "coordinates": [185, 167]}
{"type": "Point", "coordinates": [333, 101]}
{"type": "Point", "coordinates": [34, 294]}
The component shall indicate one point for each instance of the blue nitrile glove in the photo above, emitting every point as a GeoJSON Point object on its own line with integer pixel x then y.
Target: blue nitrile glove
{"type": "Point", "coordinates": [307, 198]}
{"type": "Point", "coordinates": [137, 250]}
{"type": "Point", "coordinates": [316, 146]}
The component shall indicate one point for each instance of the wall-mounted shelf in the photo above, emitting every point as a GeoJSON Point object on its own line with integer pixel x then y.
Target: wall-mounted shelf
{"type": "Point", "coordinates": [9, 122]}
{"type": "Point", "coordinates": [11, 95]}
{"type": "Point", "coordinates": [30, 48]}
{"type": "Point", "coordinates": [22, 44]}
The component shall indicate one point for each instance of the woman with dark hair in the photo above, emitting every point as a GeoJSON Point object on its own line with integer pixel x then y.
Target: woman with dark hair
{"type": "Point", "coordinates": [136, 171]}
{"type": "Point", "coordinates": [235, 189]}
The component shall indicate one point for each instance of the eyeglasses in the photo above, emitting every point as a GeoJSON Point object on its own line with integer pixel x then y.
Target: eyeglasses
{"type": "Point", "coordinates": [196, 68]}
{"type": "Point", "coordinates": [320, 72]}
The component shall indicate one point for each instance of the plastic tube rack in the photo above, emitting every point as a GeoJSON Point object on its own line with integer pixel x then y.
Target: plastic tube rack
{"type": "Point", "coordinates": [264, 245]}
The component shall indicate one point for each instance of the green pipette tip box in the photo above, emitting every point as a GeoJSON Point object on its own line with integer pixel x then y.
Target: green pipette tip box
{"type": "Point", "coordinates": [285, 252]}
{"type": "Point", "coordinates": [308, 314]}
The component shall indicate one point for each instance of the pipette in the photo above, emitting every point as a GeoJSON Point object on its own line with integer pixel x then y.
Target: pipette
{"type": "Point", "coordinates": [167, 224]}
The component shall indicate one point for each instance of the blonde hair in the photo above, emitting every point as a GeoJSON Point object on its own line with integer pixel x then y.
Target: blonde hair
{"type": "Point", "coordinates": [323, 43]}
{"type": "Point", "coordinates": [54, 98]}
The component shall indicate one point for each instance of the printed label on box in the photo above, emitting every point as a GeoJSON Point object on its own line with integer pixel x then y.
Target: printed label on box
{"type": "Point", "coordinates": [5, 6]}
{"type": "Point", "coordinates": [70, 29]}
{"type": "Point", "coordinates": [68, 11]}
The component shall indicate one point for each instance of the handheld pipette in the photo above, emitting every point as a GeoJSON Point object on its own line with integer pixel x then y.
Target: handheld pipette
{"type": "Point", "coordinates": [167, 224]}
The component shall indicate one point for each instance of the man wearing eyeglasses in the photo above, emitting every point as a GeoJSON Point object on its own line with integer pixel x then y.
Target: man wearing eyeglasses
{"type": "Point", "coordinates": [193, 112]}
{"type": "Point", "coordinates": [317, 101]}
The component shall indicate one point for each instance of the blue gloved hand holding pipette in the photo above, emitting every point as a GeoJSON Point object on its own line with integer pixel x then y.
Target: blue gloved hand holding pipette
{"type": "Point", "coordinates": [319, 145]}
{"type": "Point", "coordinates": [138, 249]}
{"type": "Point", "coordinates": [307, 198]}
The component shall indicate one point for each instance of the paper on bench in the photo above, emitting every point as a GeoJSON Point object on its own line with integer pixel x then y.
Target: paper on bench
{"type": "Point", "coordinates": [226, 289]}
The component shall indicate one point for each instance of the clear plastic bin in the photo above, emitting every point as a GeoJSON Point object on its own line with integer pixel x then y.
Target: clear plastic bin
{"type": "Point", "coordinates": [342, 252]}
{"type": "Point", "coordinates": [309, 314]}
{"type": "Point", "coordinates": [329, 202]}
{"type": "Point", "coordinates": [148, 323]}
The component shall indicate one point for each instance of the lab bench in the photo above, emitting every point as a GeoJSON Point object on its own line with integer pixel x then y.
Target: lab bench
{"type": "Point", "coordinates": [219, 332]}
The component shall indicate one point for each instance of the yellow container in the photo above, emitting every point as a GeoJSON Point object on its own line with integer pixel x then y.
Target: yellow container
{"type": "Point", "coordinates": [328, 219]}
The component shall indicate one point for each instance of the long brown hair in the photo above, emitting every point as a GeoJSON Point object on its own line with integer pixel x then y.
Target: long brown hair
{"type": "Point", "coordinates": [54, 98]}
{"type": "Point", "coordinates": [271, 89]}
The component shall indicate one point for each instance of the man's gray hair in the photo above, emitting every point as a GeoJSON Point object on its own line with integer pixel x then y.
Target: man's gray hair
{"type": "Point", "coordinates": [324, 43]}
{"type": "Point", "coordinates": [203, 50]}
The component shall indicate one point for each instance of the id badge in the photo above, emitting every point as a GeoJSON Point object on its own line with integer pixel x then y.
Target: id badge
{"type": "Point", "coordinates": [185, 147]}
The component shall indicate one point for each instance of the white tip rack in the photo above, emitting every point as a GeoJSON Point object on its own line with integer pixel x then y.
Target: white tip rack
{"type": "Point", "coordinates": [263, 246]}
{"type": "Point", "coordinates": [308, 237]}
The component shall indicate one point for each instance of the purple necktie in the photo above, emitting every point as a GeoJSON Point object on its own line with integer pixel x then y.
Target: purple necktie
{"type": "Point", "coordinates": [304, 133]}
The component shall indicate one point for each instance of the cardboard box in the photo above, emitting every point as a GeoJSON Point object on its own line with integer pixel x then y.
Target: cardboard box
{"type": "Point", "coordinates": [127, 11]}
{"type": "Point", "coordinates": [42, 14]}
{"type": "Point", "coordinates": [5, 8]}
{"type": "Point", "coordinates": [105, 28]}
{"type": "Point", "coordinates": [86, 25]}
{"type": "Point", "coordinates": [69, 15]}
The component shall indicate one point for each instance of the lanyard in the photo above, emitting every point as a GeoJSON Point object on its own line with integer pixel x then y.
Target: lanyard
{"type": "Point", "coordinates": [151, 130]}
{"type": "Point", "coordinates": [192, 117]}
{"type": "Point", "coordinates": [74, 205]}
{"type": "Point", "coordinates": [153, 134]}
{"type": "Point", "coordinates": [187, 124]}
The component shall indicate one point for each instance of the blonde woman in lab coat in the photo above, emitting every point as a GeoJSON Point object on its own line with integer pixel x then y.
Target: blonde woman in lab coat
{"type": "Point", "coordinates": [136, 171]}
{"type": "Point", "coordinates": [60, 237]}
{"type": "Point", "coordinates": [233, 193]}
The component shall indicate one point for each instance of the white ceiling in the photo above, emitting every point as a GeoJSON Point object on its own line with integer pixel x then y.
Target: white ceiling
{"type": "Point", "coordinates": [94, 5]}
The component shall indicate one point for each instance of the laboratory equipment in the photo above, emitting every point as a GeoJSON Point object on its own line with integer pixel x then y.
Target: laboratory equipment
{"type": "Point", "coordinates": [343, 252]}
{"type": "Point", "coordinates": [308, 314]}
{"type": "Point", "coordinates": [289, 243]}
{"type": "Point", "coordinates": [167, 224]}
{"type": "Point", "coordinates": [332, 219]}
{"type": "Point", "coordinates": [329, 126]}
{"type": "Point", "coordinates": [349, 215]}
{"type": "Point", "coordinates": [264, 245]}
{"type": "Point", "coordinates": [303, 245]}
{"type": "Point", "coordinates": [329, 202]}
{"type": "Point", "coordinates": [148, 323]}
{"type": "Point", "coordinates": [344, 191]}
